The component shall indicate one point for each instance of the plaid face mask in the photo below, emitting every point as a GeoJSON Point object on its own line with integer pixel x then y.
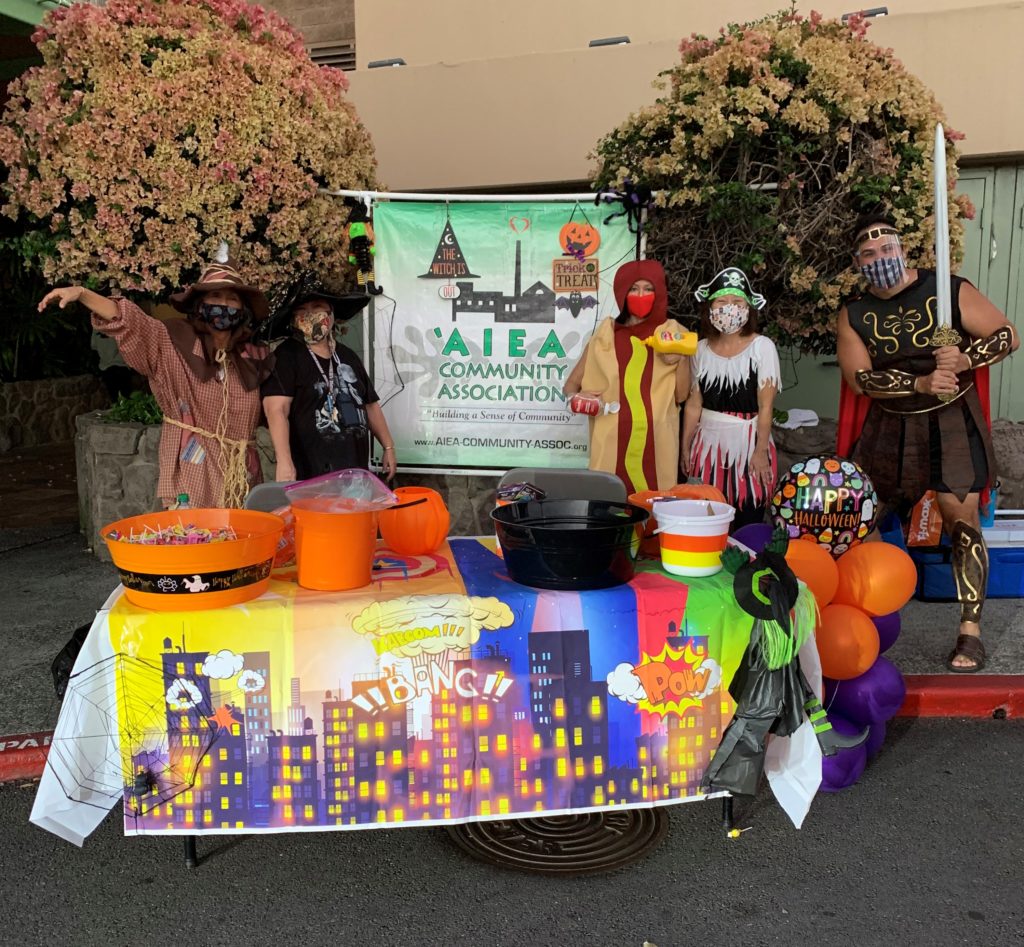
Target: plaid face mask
{"type": "Point", "coordinates": [885, 272]}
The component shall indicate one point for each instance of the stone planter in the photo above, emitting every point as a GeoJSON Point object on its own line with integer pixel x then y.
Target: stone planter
{"type": "Point", "coordinates": [117, 469]}
{"type": "Point", "coordinates": [44, 411]}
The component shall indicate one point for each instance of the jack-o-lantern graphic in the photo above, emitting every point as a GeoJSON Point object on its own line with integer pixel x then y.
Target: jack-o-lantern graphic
{"type": "Point", "coordinates": [579, 239]}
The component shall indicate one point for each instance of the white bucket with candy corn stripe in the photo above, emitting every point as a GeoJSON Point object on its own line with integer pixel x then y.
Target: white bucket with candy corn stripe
{"type": "Point", "coordinates": [692, 534]}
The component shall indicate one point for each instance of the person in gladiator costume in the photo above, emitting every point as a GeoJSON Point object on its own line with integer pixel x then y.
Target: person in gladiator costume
{"type": "Point", "coordinates": [925, 428]}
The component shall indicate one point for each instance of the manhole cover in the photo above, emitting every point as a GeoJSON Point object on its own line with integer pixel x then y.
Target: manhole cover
{"type": "Point", "coordinates": [565, 845]}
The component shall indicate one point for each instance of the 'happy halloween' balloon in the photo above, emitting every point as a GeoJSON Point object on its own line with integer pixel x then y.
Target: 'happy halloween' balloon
{"type": "Point", "coordinates": [828, 499]}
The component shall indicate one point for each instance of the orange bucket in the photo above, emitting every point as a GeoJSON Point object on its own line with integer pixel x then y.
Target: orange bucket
{"type": "Point", "coordinates": [334, 551]}
{"type": "Point", "coordinates": [204, 575]}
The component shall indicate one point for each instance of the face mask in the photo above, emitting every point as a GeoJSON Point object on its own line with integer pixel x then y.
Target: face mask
{"type": "Point", "coordinates": [885, 272]}
{"type": "Point", "coordinates": [223, 318]}
{"type": "Point", "coordinates": [315, 327]}
{"type": "Point", "coordinates": [640, 304]}
{"type": "Point", "coordinates": [729, 318]}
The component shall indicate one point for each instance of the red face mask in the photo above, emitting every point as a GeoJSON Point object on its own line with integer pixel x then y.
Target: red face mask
{"type": "Point", "coordinates": [640, 304]}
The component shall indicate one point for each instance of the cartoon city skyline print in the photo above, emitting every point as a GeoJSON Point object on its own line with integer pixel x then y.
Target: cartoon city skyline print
{"type": "Point", "coordinates": [476, 707]}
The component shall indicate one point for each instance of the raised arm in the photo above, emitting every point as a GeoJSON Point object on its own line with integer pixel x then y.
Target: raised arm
{"type": "Point", "coordinates": [100, 306]}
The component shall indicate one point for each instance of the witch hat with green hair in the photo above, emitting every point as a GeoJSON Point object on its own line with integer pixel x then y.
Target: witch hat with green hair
{"type": "Point", "coordinates": [771, 692]}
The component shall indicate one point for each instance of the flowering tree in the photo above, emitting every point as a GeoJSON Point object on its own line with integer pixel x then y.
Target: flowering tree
{"type": "Point", "coordinates": [767, 143]}
{"type": "Point", "coordinates": [157, 128]}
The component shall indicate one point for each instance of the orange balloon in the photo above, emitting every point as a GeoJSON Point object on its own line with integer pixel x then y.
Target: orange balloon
{"type": "Point", "coordinates": [847, 642]}
{"type": "Point", "coordinates": [877, 577]}
{"type": "Point", "coordinates": [814, 564]}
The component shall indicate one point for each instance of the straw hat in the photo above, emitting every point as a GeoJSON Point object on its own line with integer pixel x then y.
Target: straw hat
{"type": "Point", "coordinates": [222, 275]}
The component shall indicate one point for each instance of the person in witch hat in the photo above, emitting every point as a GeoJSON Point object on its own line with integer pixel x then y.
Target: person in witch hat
{"type": "Point", "coordinates": [727, 421]}
{"type": "Point", "coordinates": [635, 434]}
{"type": "Point", "coordinates": [320, 404]}
{"type": "Point", "coordinates": [205, 374]}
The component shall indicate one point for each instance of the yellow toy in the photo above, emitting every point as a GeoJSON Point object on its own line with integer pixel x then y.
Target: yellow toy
{"type": "Point", "coordinates": [673, 343]}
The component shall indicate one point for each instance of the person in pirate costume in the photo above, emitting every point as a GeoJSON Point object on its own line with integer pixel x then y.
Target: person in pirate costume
{"type": "Point", "coordinates": [204, 373]}
{"type": "Point", "coordinates": [639, 442]}
{"type": "Point", "coordinates": [773, 697]}
{"type": "Point", "coordinates": [727, 421]}
{"type": "Point", "coordinates": [320, 404]}
{"type": "Point", "coordinates": [924, 425]}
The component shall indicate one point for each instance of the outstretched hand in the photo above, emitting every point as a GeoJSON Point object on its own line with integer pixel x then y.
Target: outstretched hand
{"type": "Point", "coordinates": [62, 296]}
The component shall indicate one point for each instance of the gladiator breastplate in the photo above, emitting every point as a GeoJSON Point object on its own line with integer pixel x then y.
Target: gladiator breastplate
{"type": "Point", "coordinates": [897, 333]}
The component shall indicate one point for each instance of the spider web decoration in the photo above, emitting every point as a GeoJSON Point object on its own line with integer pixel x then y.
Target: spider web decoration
{"type": "Point", "coordinates": [144, 734]}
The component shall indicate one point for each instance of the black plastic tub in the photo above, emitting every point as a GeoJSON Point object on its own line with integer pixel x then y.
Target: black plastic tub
{"type": "Point", "coordinates": [570, 545]}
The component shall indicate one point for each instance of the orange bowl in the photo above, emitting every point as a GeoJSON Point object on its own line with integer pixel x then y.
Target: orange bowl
{"type": "Point", "coordinates": [204, 575]}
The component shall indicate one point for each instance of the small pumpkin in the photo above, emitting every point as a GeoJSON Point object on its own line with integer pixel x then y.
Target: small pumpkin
{"type": "Point", "coordinates": [649, 543]}
{"type": "Point", "coordinates": [697, 491]}
{"type": "Point", "coordinates": [415, 530]}
{"type": "Point", "coordinates": [578, 238]}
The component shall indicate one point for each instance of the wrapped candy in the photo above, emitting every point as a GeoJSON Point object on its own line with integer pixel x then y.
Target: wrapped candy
{"type": "Point", "coordinates": [180, 534]}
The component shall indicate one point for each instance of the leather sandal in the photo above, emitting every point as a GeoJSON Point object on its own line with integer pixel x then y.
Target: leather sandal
{"type": "Point", "coordinates": [967, 646]}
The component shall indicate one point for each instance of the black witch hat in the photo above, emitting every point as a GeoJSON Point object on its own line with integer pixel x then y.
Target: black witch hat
{"type": "Point", "coordinates": [306, 288]}
{"type": "Point", "coordinates": [731, 281]}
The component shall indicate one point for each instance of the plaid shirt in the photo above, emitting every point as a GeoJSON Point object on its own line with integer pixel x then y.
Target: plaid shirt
{"type": "Point", "coordinates": [189, 463]}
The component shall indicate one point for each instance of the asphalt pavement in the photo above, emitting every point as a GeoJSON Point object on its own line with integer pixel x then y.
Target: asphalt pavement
{"type": "Point", "coordinates": [928, 849]}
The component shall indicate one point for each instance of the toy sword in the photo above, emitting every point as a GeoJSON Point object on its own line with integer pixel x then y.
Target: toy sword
{"type": "Point", "coordinates": [945, 334]}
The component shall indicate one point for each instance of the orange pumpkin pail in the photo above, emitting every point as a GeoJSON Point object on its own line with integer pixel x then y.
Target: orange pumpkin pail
{"type": "Point", "coordinates": [418, 529]}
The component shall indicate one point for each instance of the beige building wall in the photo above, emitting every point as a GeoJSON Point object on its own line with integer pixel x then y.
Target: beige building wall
{"type": "Point", "coordinates": [452, 31]}
{"type": "Point", "coordinates": [319, 21]}
{"type": "Point", "coordinates": [499, 95]}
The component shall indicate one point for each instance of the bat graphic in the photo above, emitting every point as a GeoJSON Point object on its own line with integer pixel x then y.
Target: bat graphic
{"type": "Point", "coordinates": [576, 303]}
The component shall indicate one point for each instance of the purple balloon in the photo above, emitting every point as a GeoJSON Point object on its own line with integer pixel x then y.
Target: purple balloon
{"type": "Point", "coordinates": [873, 697]}
{"type": "Point", "coordinates": [888, 630]}
{"type": "Point", "coordinates": [876, 737]}
{"type": "Point", "coordinates": [755, 536]}
{"type": "Point", "coordinates": [843, 769]}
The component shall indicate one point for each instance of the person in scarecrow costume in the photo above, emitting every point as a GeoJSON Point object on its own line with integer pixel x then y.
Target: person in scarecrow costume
{"type": "Point", "coordinates": [636, 433]}
{"type": "Point", "coordinates": [205, 374]}
{"type": "Point", "coordinates": [771, 693]}
{"type": "Point", "coordinates": [320, 404]}
{"type": "Point", "coordinates": [916, 416]}
{"type": "Point", "coordinates": [727, 421]}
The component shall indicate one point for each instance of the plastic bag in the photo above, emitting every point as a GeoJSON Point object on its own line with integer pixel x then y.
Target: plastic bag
{"type": "Point", "coordinates": [925, 522]}
{"type": "Point", "coordinates": [285, 555]}
{"type": "Point", "coordinates": [342, 491]}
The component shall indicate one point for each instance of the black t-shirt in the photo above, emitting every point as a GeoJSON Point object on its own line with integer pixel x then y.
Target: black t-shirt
{"type": "Point", "coordinates": [327, 430]}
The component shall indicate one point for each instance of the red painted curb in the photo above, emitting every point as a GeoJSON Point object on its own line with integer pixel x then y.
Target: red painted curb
{"type": "Point", "coordinates": [963, 695]}
{"type": "Point", "coordinates": [23, 755]}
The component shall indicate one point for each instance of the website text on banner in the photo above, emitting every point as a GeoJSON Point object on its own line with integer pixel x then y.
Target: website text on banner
{"type": "Point", "coordinates": [493, 306]}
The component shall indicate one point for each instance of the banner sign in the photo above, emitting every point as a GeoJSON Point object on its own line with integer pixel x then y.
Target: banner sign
{"type": "Point", "coordinates": [493, 305]}
{"type": "Point", "coordinates": [442, 693]}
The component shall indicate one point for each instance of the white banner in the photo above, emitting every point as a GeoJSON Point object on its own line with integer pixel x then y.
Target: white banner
{"type": "Point", "coordinates": [486, 309]}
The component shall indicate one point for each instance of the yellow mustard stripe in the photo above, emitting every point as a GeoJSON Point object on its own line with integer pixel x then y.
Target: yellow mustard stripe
{"type": "Point", "coordinates": [633, 458]}
{"type": "Point", "coordinates": [698, 560]}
